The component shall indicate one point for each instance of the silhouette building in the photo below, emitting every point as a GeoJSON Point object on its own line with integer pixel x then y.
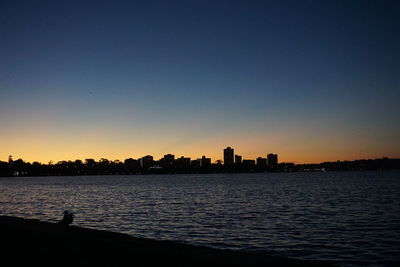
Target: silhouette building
{"type": "Point", "coordinates": [195, 163]}
{"type": "Point", "coordinates": [272, 161]}
{"type": "Point", "coordinates": [238, 159]}
{"type": "Point", "coordinates": [182, 162]}
{"type": "Point", "coordinates": [146, 161]}
{"type": "Point", "coordinates": [228, 156]}
{"type": "Point", "coordinates": [249, 163]}
{"type": "Point", "coordinates": [205, 162]}
{"type": "Point", "coordinates": [168, 160]}
{"type": "Point", "coordinates": [261, 163]}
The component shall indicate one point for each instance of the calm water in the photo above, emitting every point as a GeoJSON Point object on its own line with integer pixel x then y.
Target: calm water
{"type": "Point", "coordinates": [345, 217]}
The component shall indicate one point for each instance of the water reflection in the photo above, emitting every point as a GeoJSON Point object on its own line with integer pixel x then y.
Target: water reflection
{"type": "Point", "coordinates": [330, 216]}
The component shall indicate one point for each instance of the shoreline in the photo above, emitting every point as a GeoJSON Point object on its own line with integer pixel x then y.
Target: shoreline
{"type": "Point", "coordinates": [193, 173]}
{"type": "Point", "coordinates": [30, 241]}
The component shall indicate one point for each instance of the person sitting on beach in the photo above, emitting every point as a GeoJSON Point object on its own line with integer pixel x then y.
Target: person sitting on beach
{"type": "Point", "coordinates": [67, 219]}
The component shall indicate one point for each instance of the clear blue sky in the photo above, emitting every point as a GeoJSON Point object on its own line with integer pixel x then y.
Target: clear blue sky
{"type": "Point", "coordinates": [309, 80]}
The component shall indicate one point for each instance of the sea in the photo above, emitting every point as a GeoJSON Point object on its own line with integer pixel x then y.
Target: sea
{"type": "Point", "coordinates": [346, 218]}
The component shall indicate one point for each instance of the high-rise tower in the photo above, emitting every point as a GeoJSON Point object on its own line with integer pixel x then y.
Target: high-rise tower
{"type": "Point", "coordinates": [272, 161]}
{"type": "Point", "coordinates": [228, 156]}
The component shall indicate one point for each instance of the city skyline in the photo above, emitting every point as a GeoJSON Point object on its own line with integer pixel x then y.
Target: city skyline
{"type": "Point", "coordinates": [312, 81]}
{"type": "Point", "coordinates": [168, 164]}
{"type": "Point", "coordinates": [32, 157]}
{"type": "Point", "coordinates": [237, 159]}
{"type": "Point", "coordinates": [170, 158]}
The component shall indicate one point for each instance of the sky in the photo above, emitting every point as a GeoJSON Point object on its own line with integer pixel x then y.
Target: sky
{"type": "Point", "coordinates": [312, 81]}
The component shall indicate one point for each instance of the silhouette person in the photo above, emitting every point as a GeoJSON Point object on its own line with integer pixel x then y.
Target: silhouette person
{"type": "Point", "coordinates": [67, 219]}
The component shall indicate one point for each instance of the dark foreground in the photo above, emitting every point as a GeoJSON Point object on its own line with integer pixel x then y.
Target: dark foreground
{"type": "Point", "coordinates": [31, 242]}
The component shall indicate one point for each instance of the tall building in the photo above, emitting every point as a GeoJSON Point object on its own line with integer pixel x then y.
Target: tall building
{"type": "Point", "coordinates": [261, 163]}
{"type": "Point", "coordinates": [238, 159]}
{"type": "Point", "coordinates": [228, 156]}
{"type": "Point", "coordinates": [272, 161]}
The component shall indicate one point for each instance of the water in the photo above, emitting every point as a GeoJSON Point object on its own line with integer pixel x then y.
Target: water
{"type": "Point", "coordinates": [350, 218]}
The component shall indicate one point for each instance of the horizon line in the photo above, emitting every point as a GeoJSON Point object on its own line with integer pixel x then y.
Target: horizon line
{"type": "Point", "coordinates": [215, 161]}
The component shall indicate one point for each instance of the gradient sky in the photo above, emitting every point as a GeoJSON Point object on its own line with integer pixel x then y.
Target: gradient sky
{"type": "Point", "coordinates": [310, 80]}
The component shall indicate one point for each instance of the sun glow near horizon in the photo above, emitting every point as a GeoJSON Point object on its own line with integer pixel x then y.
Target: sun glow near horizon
{"type": "Point", "coordinates": [58, 149]}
